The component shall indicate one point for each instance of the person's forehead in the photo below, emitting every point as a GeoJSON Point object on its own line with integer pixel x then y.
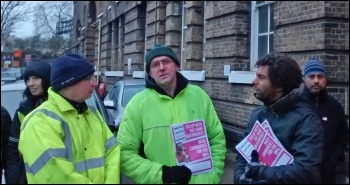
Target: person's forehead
{"type": "Point", "coordinates": [160, 58]}
{"type": "Point", "coordinates": [316, 74]}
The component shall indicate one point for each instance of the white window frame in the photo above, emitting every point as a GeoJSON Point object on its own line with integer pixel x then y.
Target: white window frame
{"type": "Point", "coordinates": [254, 31]}
{"type": "Point", "coordinates": [183, 30]}
{"type": "Point", "coordinates": [246, 77]}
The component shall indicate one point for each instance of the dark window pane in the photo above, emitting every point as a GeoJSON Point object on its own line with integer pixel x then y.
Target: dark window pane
{"type": "Point", "coordinates": [271, 43]}
{"type": "Point", "coordinates": [263, 18]}
{"type": "Point", "coordinates": [272, 25]}
{"type": "Point", "coordinates": [262, 45]}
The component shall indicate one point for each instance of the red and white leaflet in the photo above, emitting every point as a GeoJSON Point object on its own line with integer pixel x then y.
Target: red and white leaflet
{"type": "Point", "coordinates": [271, 152]}
{"type": "Point", "coordinates": [266, 126]}
{"type": "Point", "coordinates": [285, 154]}
{"type": "Point", "coordinates": [192, 147]}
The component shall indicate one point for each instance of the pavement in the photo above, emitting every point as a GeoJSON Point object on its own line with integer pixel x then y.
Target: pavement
{"type": "Point", "coordinates": [227, 177]}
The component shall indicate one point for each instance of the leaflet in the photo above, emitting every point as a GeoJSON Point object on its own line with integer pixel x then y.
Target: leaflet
{"type": "Point", "coordinates": [192, 147]}
{"type": "Point", "coordinates": [264, 141]}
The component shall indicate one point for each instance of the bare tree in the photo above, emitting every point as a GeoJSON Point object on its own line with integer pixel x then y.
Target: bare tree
{"type": "Point", "coordinates": [12, 13]}
{"type": "Point", "coordinates": [49, 13]}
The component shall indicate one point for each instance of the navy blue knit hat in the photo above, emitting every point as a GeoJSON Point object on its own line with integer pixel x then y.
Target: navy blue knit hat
{"type": "Point", "coordinates": [160, 50]}
{"type": "Point", "coordinates": [68, 70]}
{"type": "Point", "coordinates": [313, 66]}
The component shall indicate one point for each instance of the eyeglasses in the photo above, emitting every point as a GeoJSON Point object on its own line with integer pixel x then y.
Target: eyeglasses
{"type": "Point", "coordinates": [156, 65]}
{"type": "Point", "coordinates": [91, 78]}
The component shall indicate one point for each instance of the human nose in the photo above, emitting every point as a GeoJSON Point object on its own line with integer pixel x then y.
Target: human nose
{"type": "Point", "coordinates": [161, 65]}
{"type": "Point", "coordinates": [254, 81]}
{"type": "Point", "coordinates": [29, 82]}
{"type": "Point", "coordinates": [94, 82]}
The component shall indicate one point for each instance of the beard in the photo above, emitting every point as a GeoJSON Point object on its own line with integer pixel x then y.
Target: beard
{"type": "Point", "coordinates": [263, 99]}
{"type": "Point", "coordinates": [315, 93]}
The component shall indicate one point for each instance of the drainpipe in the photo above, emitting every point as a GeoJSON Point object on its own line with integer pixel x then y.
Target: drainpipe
{"type": "Point", "coordinates": [98, 50]}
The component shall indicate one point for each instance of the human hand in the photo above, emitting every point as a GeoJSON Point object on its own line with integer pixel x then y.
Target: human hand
{"type": "Point", "coordinates": [252, 168]}
{"type": "Point", "coordinates": [176, 174]}
{"type": "Point", "coordinates": [244, 180]}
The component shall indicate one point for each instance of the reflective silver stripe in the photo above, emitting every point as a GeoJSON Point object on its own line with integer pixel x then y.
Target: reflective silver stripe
{"type": "Point", "coordinates": [67, 138]}
{"type": "Point", "coordinates": [94, 110]}
{"type": "Point", "coordinates": [89, 164]}
{"type": "Point", "coordinates": [112, 141]}
{"type": "Point", "coordinates": [44, 158]}
{"type": "Point", "coordinates": [13, 139]}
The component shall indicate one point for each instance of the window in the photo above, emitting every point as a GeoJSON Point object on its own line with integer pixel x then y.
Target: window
{"type": "Point", "coordinates": [183, 33]}
{"type": "Point", "coordinates": [261, 30]}
{"type": "Point", "coordinates": [84, 17]}
{"type": "Point", "coordinates": [114, 94]}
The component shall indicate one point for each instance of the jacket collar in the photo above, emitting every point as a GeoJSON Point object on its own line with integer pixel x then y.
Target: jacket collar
{"type": "Point", "coordinates": [181, 83]}
{"type": "Point", "coordinates": [286, 102]}
{"type": "Point", "coordinates": [66, 104]}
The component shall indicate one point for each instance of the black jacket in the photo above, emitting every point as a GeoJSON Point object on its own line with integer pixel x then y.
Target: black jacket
{"type": "Point", "coordinates": [336, 133]}
{"type": "Point", "coordinates": [5, 130]}
{"type": "Point", "coordinates": [299, 130]}
{"type": "Point", "coordinates": [15, 170]}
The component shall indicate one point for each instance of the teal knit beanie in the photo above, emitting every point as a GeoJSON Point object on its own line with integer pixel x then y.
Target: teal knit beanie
{"type": "Point", "coordinates": [160, 50]}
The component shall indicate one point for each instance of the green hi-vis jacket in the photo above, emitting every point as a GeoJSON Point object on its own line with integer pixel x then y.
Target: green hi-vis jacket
{"type": "Point", "coordinates": [147, 119]}
{"type": "Point", "coordinates": [61, 146]}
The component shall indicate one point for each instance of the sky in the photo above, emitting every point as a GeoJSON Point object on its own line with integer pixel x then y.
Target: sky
{"type": "Point", "coordinates": [27, 27]}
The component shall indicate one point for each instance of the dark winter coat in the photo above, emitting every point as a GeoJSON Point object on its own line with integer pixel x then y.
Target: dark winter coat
{"type": "Point", "coordinates": [15, 171]}
{"type": "Point", "coordinates": [299, 130]}
{"type": "Point", "coordinates": [336, 133]}
{"type": "Point", "coordinates": [5, 130]}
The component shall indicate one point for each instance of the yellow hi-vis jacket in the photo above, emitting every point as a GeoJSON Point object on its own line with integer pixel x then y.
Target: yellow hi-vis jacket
{"type": "Point", "coordinates": [61, 146]}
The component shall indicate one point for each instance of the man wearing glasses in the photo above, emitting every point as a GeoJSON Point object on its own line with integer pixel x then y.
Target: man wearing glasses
{"type": "Point", "coordinates": [148, 154]}
{"type": "Point", "coordinates": [64, 140]}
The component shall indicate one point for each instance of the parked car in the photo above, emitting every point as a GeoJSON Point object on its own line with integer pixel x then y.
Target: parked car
{"type": "Point", "coordinates": [96, 102]}
{"type": "Point", "coordinates": [11, 96]}
{"type": "Point", "coordinates": [8, 77]}
{"type": "Point", "coordinates": [17, 70]}
{"type": "Point", "coordinates": [119, 95]}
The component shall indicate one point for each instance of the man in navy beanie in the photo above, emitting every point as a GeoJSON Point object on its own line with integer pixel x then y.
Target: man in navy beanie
{"type": "Point", "coordinates": [64, 141]}
{"type": "Point", "coordinates": [168, 100]}
{"type": "Point", "coordinates": [332, 116]}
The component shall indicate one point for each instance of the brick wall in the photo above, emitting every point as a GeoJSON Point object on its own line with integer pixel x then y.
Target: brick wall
{"type": "Point", "coordinates": [218, 34]}
{"type": "Point", "coordinates": [317, 29]}
{"type": "Point", "coordinates": [226, 36]}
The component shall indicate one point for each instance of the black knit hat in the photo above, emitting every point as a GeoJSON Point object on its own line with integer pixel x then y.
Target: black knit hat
{"type": "Point", "coordinates": [68, 70]}
{"type": "Point", "coordinates": [40, 69]}
{"type": "Point", "coordinates": [160, 50]}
